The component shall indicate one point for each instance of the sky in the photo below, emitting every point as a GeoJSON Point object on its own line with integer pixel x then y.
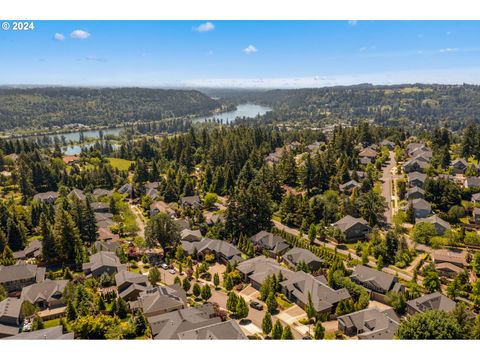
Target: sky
{"type": "Point", "coordinates": [263, 54]}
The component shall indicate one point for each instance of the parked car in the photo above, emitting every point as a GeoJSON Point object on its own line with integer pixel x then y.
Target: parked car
{"type": "Point", "coordinates": [256, 305]}
{"type": "Point", "coordinates": [164, 266]}
{"type": "Point", "coordinates": [171, 271]}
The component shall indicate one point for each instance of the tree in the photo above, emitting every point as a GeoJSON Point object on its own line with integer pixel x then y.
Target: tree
{"type": "Point", "coordinates": [397, 301]}
{"type": "Point", "coordinates": [312, 233]}
{"type": "Point", "coordinates": [49, 248]}
{"type": "Point", "coordinates": [319, 331]}
{"type": "Point", "coordinates": [209, 200]}
{"type": "Point", "coordinates": [3, 293]}
{"type": "Point", "coordinates": [232, 302]}
{"type": "Point", "coordinates": [161, 231]}
{"type": "Point", "coordinates": [380, 263]}
{"type": "Point", "coordinates": [206, 292]}
{"type": "Point", "coordinates": [371, 206]}
{"type": "Point", "coordinates": [241, 310]}
{"type": "Point", "coordinates": [423, 232]}
{"type": "Point", "coordinates": [71, 312]}
{"type": "Point", "coordinates": [67, 237]}
{"type": "Point", "coordinates": [431, 280]}
{"type": "Point", "coordinates": [196, 290]}
{"type": "Point", "coordinates": [122, 308]}
{"type": "Point", "coordinates": [37, 323]}
{"type": "Point", "coordinates": [433, 324]}
{"type": "Point", "coordinates": [7, 257]}
{"type": "Point", "coordinates": [267, 323]}
{"type": "Point", "coordinates": [177, 281]}
{"type": "Point", "coordinates": [287, 333]}
{"type": "Point", "coordinates": [154, 276]}
{"type": "Point", "coordinates": [216, 280]}
{"type": "Point", "coordinates": [277, 330]}
{"type": "Point", "coordinates": [186, 285]}
{"type": "Point", "coordinates": [271, 302]}
{"type": "Point", "coordinates": [476, 263]}
{"type": "Point", "coordinates": [310, 308]}
{"type": "Point", "coordinates": [140, 323]}
{"type": "Point", "coordinates": [227, 282]}
{"type": "Point", "coordinates": [15, 235]}
{"type": "Point", "coordinates": [179, 253]}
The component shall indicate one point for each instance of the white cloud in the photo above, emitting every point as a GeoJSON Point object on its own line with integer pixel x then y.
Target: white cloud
{"type": "Point", "coordinates": [208, 26]}
{"type": "Point", "coordinates": [446, 50]}
{"type": "Point", "coordinates": [95, 58]}
{"type": "Point", "coordinates": [59, 37]}
{"type": "Point", "coordinates": [352, 22]}
{"type": "Point", "coordinates": [79, 34]}
{"type": "Point", "coordinates": [250, 49]}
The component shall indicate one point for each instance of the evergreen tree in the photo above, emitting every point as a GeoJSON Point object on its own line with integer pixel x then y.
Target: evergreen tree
{"type": "Point", "coordinates": [232, 302]}
{"type": "Point", "coordinates": [277, 330]}
{"type": "Point", "coordinates": [49, 248]}
{"type": "Point", "coordinates": [206, 292]}
{"type": "Point", "coordinates": [15, 235]}
{"type": "Point", "coordinates": [319, 331]}
{"type": "Point", "coordinates": [241, 310]}
{"type": "Point", "coordinates": [287, 333]}
{"type": "Point", "coordinates": [216, 280]}
{"type": "Point", "coordinates": [267, 323]}
{"type": "Point", "coordinates": [67, 237]}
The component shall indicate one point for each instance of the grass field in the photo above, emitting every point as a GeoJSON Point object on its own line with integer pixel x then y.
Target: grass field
{"type": "Point", "coordinates": [120, 164]}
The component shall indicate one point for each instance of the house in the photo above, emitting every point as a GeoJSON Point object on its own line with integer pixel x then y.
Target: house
{"type": "Point", "coordinates": [257, 269]}
{"type": "Point", "coordinates": [45, 295]}
{"type": "Point", "coordinates": [459, 166]}
{"type": "Point", "coordinates": [161, 207]}
{"type": "Point", "coordinates": [33, 250]}
{"type": "Point", "coordinates": [449, 263]}
{"type": "Point", "coordinates": [227, 330]}
{"type": "Point", "coordinates": [128, 190]}
{"type": "Point", "coordinates": [365, 160]}
{"type": "Point", "coordinates": [416, 179]}
{"type": "Point", "coordinates": [296, 255]}
{"type": "Point", "coordinates": [349, 186]}
{"type": "Point", "coordinates": [53, 333]}
{"type": "Point", "coordinates": [104, 234]}
{"type": "Point", "coordinates": [100, 207]}
{"type": "Point", "coordinates": [377, 282]}
{"type": "Point", "coordinates": [368, 153]}
{"type": "Point", "coordinates": [476, 198]}
{"type": "Point", "coordinates": [70, 160]}
{"type": "Point", "coordinates": [130, 285]}
{"type": "Point", "coordinates": [434, 301]}
{"type": "Point", "coordinates": [421, 208]}
{"type": "Point", "coordinates": [476, 215]}
{"type": "Point", "coordinates": [10, 316]}
{"type": "Point", "coordinates": [76, 193]}
{"type": "Point", "coordinates": [388, 144]}
{"type": "Point", "coordinates": [224, 251]}
{"type": "Point", "coordinates": [152, 193]}
{"type": "Point", "coordinates": [102, 192]}
{"type": "Point", "coordinates": [353, 228]}
{"type": "Point", "coordinates": [299, 286]}
{"type": "Point", "coordinates": [103, 262]}
{"type": "Point", "coordinates": [169, 325]}
{"type": "Point", "coordinates": [191, 202]}
{"type": "Point", "coordinates": [16, 277]}
{"type": "Point", "coordinates": [415, 193]}
{"type": "Point", "coordinates": [274, 245]}
{"type": "Point", "coordinates": [182, 224]}
{"type": "Point", "coordinates": [160, 300]}
{"type": "Point", "coordinates": [48, 197]}
{"type": "Point", "coordinates": [190, 235]}
{"type": "Point", "coordinates": [440, 225]}
{"type": "Point", "coordinates": [370, 324]}
{"type": "Point", "coordinates": [212, 219]}
{"type": "Point", "coordinates": [415, 165]}
{"type": "Point", "coordinates": [472, 182]}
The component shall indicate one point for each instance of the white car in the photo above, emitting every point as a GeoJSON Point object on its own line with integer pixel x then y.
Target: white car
{"type": "Point", "coordinates": [171, 271]}
{"type": "Point", "coordinates": [164, 266]}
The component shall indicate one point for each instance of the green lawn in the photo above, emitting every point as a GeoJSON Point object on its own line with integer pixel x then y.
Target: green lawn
{"type": "Point", "coordinates": [51, 323]}
{"type": "Point", "coordinates": [283, 301]}
{"type": "Point", "coordinates": [120, 164]}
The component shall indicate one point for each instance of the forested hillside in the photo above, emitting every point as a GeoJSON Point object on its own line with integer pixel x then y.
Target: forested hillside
{"type": "Point", "coordinates": [44, 107]}
{"type": "Point", "coordinates": [402, 105]}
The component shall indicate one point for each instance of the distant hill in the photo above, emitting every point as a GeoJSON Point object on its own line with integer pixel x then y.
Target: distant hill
{"type": "Point", "coordinates": [57, 106]}
{"type": "Point", "coordinates": [416, 105]}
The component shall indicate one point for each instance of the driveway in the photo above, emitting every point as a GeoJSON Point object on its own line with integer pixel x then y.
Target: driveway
{"type": "Point", "coordinates": [387, 184]}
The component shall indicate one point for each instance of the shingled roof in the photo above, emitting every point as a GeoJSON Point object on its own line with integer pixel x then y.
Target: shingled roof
{"type": "Point", "coordinates": [434, 301]}
{"type": "Point", "coordinates": [228, 330]}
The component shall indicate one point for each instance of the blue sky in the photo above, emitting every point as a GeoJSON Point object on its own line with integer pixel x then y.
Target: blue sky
{"type": "Point", "coordinates": [241, 53]}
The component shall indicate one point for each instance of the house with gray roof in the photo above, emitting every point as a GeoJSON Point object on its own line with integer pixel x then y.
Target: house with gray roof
{"type": "Point", "coordinates": [11, 316]}
{"type": "Point", "coordinates": [160, 300]}
{"type": "Point", "coordinates": [32, 250]}
{"type": "Point", "coordinates": [224, 251]}
{"type": "Point", "coordinates": [78, 194]}
{"type": "Point", "coordinates": [168, 326]}
{"type": "Point", "coordinates": [434, 301]}
{"type": "Point", "coordinates": [53, 333]}
{"type": "Point", "coordinates": [440, 225]}
{"type": "Point", "coordinates": [190, 235]}
{"type": "Point", "coordinates": [353, 228]}
{"type": "Point", "coordinates": [472, 182]}
{"type": "Point", "coordinates": [130, 285]}
{"type": "Point", "coordinates": [100, 207]}
{"type": "Point", "coordinates": [476, 198]}
{"type": "Point", "coordinates": [415, 193]}
{"type": "Point", "coordinates": [370, 324]}
{"type": "Point", "coordinates": [349, 186]}
{"type": "Point", "coordinates": [415, 165]}
{"type": "Point", "coordinates": [103, 262]}
{"type": "Point", "coordinates": [388, 144]}
{"type": "Point", "coordinates": [257, 269]}
{"type": "Point", "coordinates": [296, 255]}
{"type": "Point", "coordinates": [449, 262]}
{"type": "Point", "coordinates": [459, 166]}
{"type": "Point", "coordinates": [376, 282]}
{"type": "Point", "coordinates": [48, 197]}
{"type": "Point", "coordinates": [102, 192]}
{"type": "Point", "coordinates": [368, 152]}
{"type": "Point", "coordinates": [16, 277]}
{"type": "Point", "coordinates": [417, 179]}
{"type": "Point", "coordinates": [274, 245]}
{"type": "Point", "coordinates": [421, 208]}
{"type": "Point", "coordinates": [191, 202]}
{"type": "Point", "coordinates": [299, 286]}
{"type": "Point", "coordinates": [45, 295]}
{"type": "Point", "coordinates": [227, 330]}
{"type": "Point", "coordinates": [161, 207]}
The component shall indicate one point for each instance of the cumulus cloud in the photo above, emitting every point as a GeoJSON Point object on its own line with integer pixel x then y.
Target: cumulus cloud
{"type": "Point", "coordinates": [446, 50]}
{"type": "Point", "coordinates": [208, 26]}
{"type": "Point", "coordinates": [59, 37]}
{"type": "Point", "coordinates": [79, 34]}
{"type": "Point", "coordinates": [352, 22]}
{"type": "Point", "coordinates": [250, 49]}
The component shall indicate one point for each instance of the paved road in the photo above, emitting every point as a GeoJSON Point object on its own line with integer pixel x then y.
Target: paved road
{"type": "Point", "coordinates": [387, 193]}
